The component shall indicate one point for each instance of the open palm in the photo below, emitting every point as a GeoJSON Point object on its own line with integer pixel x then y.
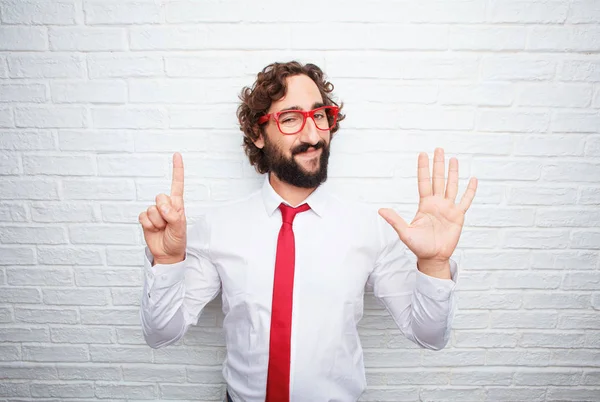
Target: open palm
{"type": "Point", "coordinates": [435, 230]}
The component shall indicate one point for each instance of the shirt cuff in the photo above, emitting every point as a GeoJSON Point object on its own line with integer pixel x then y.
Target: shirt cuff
{"type": "Point", "coordinates": [437, 288]}
{"type": "Point", "coordinates": [163, 275]}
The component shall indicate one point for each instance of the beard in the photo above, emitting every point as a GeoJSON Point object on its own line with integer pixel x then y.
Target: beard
{"type": "Point", "coordinates": [290, 171]}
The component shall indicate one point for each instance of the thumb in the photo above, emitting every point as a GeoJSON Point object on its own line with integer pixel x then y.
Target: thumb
{"type": "Point", "coordinates": [399, 224]}
{"type": "Point", "coordinates": [170, 213]}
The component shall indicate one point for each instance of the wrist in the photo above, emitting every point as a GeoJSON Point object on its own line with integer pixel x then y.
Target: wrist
{"type": "Point", "coordinates": [435, 268]}
{"type": "Point", "coordinates": [168, 260]}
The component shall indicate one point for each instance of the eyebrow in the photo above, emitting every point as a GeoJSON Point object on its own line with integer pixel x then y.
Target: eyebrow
{"type": "Point", "coordinates": [295, 107]}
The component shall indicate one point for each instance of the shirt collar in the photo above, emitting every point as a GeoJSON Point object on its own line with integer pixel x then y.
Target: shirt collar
{"type": "Point", "coordinates": [317, 200]}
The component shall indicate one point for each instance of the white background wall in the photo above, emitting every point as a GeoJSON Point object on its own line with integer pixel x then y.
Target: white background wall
{"type": "Point", "coordinates": [96, 95]}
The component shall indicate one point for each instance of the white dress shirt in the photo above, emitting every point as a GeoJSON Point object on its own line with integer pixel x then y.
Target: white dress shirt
{"type": "Point", "coordinates": [340, 246]}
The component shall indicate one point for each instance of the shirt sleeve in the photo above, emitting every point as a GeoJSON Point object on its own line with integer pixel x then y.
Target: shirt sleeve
{"type": "Point", "coordinates": [175, 294]}
{"type": "Point", "coordinates": [422, 306]}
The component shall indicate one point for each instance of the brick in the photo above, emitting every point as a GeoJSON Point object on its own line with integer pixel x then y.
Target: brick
{"type": "Point", "coordinates": [471, 320]}
{"type": "Point", "coordinates": [486, 301]}
{"type": "Point", "coordinates": [555, 95]}
{"type": "Point", "coordinates": [574, 320]}
{"type": "Point", "coordinates": [44, 276]}
{"type": "Point", "coordinates": [541, 195]}
{"type": "Point", "coordinates": [487, 38]}
{"type": "Point", "coordinates": [511, 394]}
{"type": "Point", "coordinates": [50, 117]}
{"type": "Point", "coordinates": [28, 372]}
{"type": "Point", "coordinates": [72, 390]}
{"type": "Point", "coordinates": [27, 333]}
{"type": "Point", "coordinates": [114, 391]}
{"type": "Point", "coordinates": [141, 373]}
{"type": "Point", "coordinates": [55, 353]}
{"type": "Point", "coordinates": [518, 357]}
{"type": "Point", "coordinates": [45, 66]}
{"type": "Point", "coordinates": [99, 189]}
{"type": "Point", "coordinates": [204, 392]}
{"type": "Point", "coordinates": [62, 12]}
{"type": "Point", "coordinates": [6, 117]}
{"type": "Point", "coordinates": [108, 277]}
{"type": "Point", "coordinates": [59, 165]}
{"type": "Point", "coordinates": [502, 260]}
{"type": "Point", "coordinates": [551, 339]}
{"type": "Point", "coordinates": [117, 65]}
{"type": "Point", "coordinates": [6, 316]}
{"type": "Point", "coordinates": [25, 140]}
{"type": "Point", "coordinates": [478, 238]}
{"type": "Point", "coordinates": [27, 188]}
{"type": "Point", "coordinates": [564, 38]}
{"type": "Point", "coordinates": [147, 166]}
{"type": "Point", "coordinates": [536, 239]}
{"type": "Point", "coordinates": [101, 234]}
{"type": "Point", "coordinates": [571, 171]}
{"type": "Point", "coordinates": [122, 354]}
{"type": "Point", "coordinates": [95, 140]}
{"type": "Point", "coordinates": [87, 39]}
{"type": "Point", "coordinates": [204, 375]}
{"type": "Point", "coordinates": [481, 94]}
{"type": "Point", "coordinates": [97, 372]}
{"type": "Point", "coordinates": [567, 218]}
{"type": "Point", "coordinates": [35, 93]}
{"type": "Point", "coordinates": [70, 255]}
{"type": "Point", "coordinates": [108, 316]}
{"type": "Point", "coordinates": [583, 12]}
{"type": "Point", "coordinates": [524, 12]}
{"type": "Point", "coordinates": [17, 255]}
{"type": "Point", "coordinates": [128, 117]}
{"type": "Point", "coordinates": [452, 394]}
{"type": "Point", "coordinates": [124, 256]}
{"type": "Point", "coordinates": [511, 121]}
{"type": "Point", "coordinates": [564, 259]}
{"type": "Point", "coordinates": [556, 301]}
{"type": "Point", "coordinates": [126, 297]}
{"type": "Point", "coordinates": [514, 319]}
{"type": "Point", "coordinates": [62, 212]}
{"type": "Point", "coordinates": [527, 280]}
{"type": "Point", "coordinates": [481, 376]}
{"type": "Point", "coordinates": [580, 70]}
{"type": "Point", "coordinates": [126, 213]}
{"type": "Point", "coordinates": [14, 389]}
{"type": "Point", "coordinates": [11, 295]}
{"type": "Point", "coordinates": [575, 357]}
{"type": "Point", "coordinates": [78, 297]}
{"type": "Point", "coordinates": [592, 146]}
{"type": "Point", "coordinates": [12, 212]}
{"type": "Point", "coordinates": [46, 315]}
{"type": "Point", "coordinates": [33, 235]}
{"type": "Point", "coordinates": [175, 141]}
{"type": "Point", "coordinates": [169, 37]}
{"type": "Point", "coordinates": [131, 336]}
{"type": "Point", "coordinates": [481, 217]}
{"type": "Point", "coordinates": [194, 191]}
{"type": "Point", "coordinates": [589, 195]}
{"type": "Point", "coordinates": [82, 335]}
{"type": "Point", "coordinates": [96, 91]}
{"type": "Point", "coordinates": [21, 38]}
{"type": "Point", "coordinates": [485, 339]}
{"type": "Point", "coordinates": [116, 12]}
{"type": "Point", "coordinates": [187, 355]}
{"type": "Point", "coordinates": [572, 394]}
{"type": "Point", "coordinates": [217, 116]}
{"type": "Point", "coordinates": [10, 164]}
{"type": "Point", "coordinates": [501, 68]}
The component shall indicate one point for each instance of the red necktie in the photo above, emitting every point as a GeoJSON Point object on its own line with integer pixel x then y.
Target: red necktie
{"type": "Point", "coordinates": [278, 376]}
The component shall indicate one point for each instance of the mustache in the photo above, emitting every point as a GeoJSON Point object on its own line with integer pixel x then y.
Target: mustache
{"type": "Point", "coordinates": [305, 146]}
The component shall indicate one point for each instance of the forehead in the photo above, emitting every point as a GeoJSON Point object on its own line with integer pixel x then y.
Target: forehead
{"type": "Point", "coordinates": [301, 92]}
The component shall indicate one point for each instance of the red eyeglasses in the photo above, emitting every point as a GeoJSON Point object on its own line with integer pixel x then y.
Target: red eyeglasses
{"type": "Point", "coordinates": [293, 121]}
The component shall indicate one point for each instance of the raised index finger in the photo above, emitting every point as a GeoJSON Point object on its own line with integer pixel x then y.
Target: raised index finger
{"type": "Point", "coordinates": [177, 183]}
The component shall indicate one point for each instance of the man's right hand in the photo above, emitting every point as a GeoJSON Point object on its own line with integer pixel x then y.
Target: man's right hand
{"type": "Point", "coordinates": [164, 224]}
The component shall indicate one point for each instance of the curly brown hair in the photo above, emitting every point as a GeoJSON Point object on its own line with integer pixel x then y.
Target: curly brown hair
{"type": "Point", "coordinates": [270, 86]}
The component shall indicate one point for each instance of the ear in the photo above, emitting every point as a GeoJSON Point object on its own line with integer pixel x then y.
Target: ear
{"type": "Point", "coordinates": [260, 141]}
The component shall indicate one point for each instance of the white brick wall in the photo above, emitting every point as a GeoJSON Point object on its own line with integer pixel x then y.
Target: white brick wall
{"type": "Point", "coordinates": [95, 95]}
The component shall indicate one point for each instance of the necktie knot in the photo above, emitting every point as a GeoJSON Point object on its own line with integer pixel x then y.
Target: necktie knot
{"type": "Point", "coordinates": [289, 213]}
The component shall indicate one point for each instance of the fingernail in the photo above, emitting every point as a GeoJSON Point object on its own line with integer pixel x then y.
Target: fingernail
{"type": "Point", "coordinates": [165, 210]}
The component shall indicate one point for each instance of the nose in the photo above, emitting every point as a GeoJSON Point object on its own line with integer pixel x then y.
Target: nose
{"type": "Point", "coordinates": [310, 133]}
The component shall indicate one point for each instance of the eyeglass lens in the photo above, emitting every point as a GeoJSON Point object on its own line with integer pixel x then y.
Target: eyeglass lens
{"type": "Point", "coordinates": [291, 121]}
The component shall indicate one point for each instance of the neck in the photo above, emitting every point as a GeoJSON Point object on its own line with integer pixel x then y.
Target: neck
{"type": "Point", "coordinates": [292, 194]}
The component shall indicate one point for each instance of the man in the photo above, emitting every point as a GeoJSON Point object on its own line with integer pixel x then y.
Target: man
{"type": "Point", "coordinates": [292, 259]}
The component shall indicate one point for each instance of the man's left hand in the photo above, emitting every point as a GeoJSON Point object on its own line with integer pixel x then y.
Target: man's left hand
{"type": "Point", "coordinates": [434, 231]}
